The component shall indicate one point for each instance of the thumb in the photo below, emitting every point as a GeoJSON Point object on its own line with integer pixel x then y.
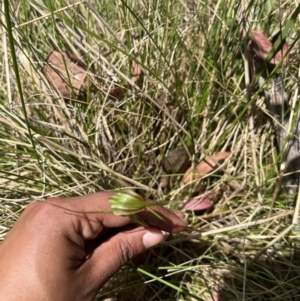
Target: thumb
{"type": "Point", "coordinates": [112, 254]}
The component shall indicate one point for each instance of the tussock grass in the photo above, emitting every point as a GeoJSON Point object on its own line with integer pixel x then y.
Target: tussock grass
{"type": "Point", "coordinates": [193, 91]}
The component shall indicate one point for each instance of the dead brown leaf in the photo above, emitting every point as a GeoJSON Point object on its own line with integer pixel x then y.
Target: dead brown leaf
{"type": "Point", "coordinates": [177, 160]}
{"type": "Point", "coordinates": [261, 47]}
{"type": "Point", "coordinates": [115, 93]}
{"type": "Point", "coordinates": [66, 73]}
{"type": "Point", "coordinates": [204, 167]}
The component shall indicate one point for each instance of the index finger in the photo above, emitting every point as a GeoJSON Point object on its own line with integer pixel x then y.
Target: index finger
{"type": "Point", "coordinates": [96, 206]}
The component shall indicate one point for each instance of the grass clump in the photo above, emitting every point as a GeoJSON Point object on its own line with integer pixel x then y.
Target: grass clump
{"type": "Point", "coordinates": [192, 91]}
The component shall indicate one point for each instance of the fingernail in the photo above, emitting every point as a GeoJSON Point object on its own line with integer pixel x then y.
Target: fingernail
{"type": "Point", "coordinates": [165, 234]}
{"type": "Point", "coordinates": [152, 238]}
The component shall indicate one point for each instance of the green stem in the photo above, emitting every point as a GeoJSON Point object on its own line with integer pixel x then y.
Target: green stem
{"type": "Point", "coordinates": [16, 70]}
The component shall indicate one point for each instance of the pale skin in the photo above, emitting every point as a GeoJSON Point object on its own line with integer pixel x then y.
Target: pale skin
{"type": "Point", "coordinates": [52, 254]}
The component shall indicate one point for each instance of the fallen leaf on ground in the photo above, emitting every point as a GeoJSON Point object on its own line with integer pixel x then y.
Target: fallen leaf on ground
{"type": "Point", "coordinates": [66, 73]}
{"type": "Point", "coordinates": [196, 204]}
{"type": "Point", "coordinates": [115, 92]}
{"type": "Point", "coordinates": [204, 167]}
{"type": "Point", "coordinates": [177, 160]}
{"type": "Point", "coordinates": [261, 47]}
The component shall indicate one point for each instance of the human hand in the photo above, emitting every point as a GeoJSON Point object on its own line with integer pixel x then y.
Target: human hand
{"type": "Point", "coordinates": [55, 254]}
